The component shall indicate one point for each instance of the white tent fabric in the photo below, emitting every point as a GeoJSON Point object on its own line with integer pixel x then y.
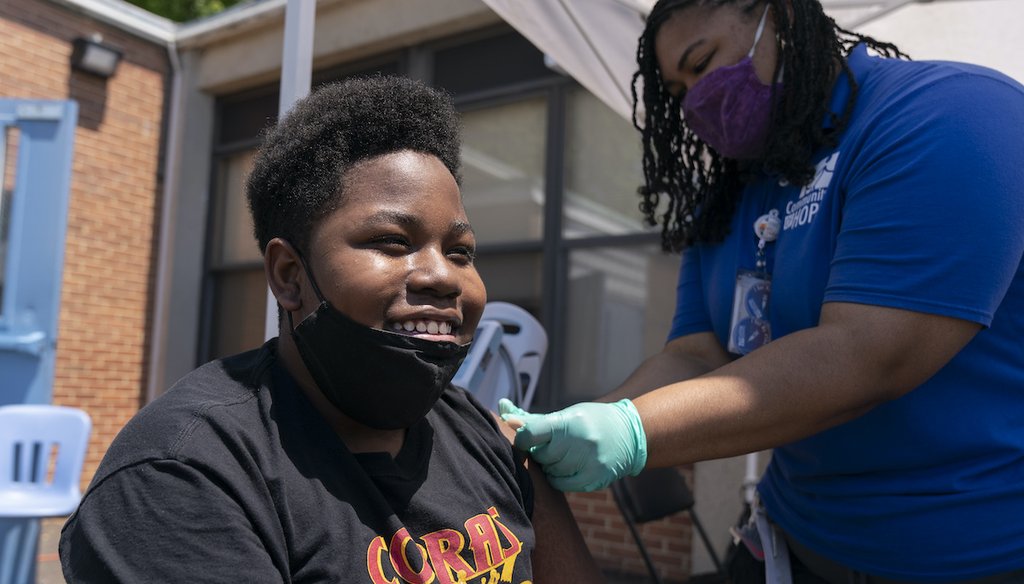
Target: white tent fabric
{"type": "Point", "coordinates": [595, 41]}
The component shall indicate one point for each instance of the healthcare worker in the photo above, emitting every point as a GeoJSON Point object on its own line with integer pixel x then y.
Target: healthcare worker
{"type": "Point", "coordinates": [851, 293]}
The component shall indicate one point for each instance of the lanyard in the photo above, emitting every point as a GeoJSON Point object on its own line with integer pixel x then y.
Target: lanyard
{"type": "Point", "coordinates": [766, 228]}
{"type": "Point", "coordinates": [750, 326]}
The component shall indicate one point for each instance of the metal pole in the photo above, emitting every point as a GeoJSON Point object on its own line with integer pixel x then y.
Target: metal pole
{"type": "Point", "coordinates": [296, 76]}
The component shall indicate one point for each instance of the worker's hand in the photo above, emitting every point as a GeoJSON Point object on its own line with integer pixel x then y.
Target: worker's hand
{"type": "Point", "coordinates": [583, 447]}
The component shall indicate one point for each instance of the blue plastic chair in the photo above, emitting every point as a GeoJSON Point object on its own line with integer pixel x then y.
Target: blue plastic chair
{"type": "Point", "coordinates": [42, 451]}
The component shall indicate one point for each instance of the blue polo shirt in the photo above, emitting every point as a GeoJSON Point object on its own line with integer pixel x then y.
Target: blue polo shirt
{"type": "Point", "coordinates": [920, 207]}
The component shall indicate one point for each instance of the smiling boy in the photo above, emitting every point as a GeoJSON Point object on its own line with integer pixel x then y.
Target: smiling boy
{"type": "Point", "coordinates": [339, 451]}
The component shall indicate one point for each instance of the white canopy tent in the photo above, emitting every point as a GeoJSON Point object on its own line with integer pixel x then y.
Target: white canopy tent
{"type": "Point", "coordinates": [594, 41]}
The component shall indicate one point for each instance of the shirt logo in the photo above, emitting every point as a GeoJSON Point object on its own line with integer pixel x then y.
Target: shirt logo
{"type": "Point", "coordinates": [803, 210]}
{"type": "Point", "coordinates": [445, 557]}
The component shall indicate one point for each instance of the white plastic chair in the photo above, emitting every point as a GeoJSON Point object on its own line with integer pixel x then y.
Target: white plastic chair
{"type": "Point", "coordinates": [42, 450]}
{"type": "Point", "coordinates": [508, 351]}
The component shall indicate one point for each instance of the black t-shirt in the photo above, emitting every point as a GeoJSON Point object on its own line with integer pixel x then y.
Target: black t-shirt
{"type": "Point", "coordinates": [232, 476]}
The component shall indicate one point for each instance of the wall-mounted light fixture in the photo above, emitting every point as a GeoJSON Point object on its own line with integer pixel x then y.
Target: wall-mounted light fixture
{"type": "Point", "coordinates": [93, 56]}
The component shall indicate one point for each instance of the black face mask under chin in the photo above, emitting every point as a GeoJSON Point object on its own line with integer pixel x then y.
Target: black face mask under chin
{"type": "Point", "coordinates": [380, 379]}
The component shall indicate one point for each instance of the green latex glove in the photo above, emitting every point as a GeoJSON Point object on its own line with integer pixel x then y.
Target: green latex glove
{"type": "Point", "coordinates": [583, 447]}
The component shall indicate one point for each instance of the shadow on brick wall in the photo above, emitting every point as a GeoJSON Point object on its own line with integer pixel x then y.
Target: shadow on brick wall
{"type": "Point", "coordinates": [90, 91]}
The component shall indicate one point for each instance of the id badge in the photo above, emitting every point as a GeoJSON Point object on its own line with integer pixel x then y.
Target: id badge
{"type": "Point", "coordinates": [749, 327]}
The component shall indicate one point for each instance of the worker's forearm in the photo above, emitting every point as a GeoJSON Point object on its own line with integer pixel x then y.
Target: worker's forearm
{"type": "Point", "coordinates": [798, 385]}
{"type": "Point", "coordinates": [657, 371]}
{"type": "Point", "coordinates": [792, 388]}
{"type": "Point", "coordinates": [681, 359]}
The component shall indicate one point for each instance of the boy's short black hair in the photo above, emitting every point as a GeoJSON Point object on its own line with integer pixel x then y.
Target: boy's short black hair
{"type": "Point", "coordinates": [296, 177]}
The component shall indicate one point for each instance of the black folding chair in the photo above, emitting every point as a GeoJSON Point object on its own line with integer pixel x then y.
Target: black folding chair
{"type": "Point", "coordinates": [655, 494]}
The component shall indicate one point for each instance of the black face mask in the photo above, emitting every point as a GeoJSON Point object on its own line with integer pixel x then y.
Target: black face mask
{"type": "Point", "coordinates": [381, 379]}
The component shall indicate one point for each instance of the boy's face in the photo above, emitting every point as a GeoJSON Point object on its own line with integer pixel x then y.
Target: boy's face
{"type": "Point", "coordinates": [398, 253]}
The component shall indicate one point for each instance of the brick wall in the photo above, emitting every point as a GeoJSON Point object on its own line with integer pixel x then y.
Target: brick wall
{"type": "Point", "coordinates": [114, 204]}
{"type": "Point", "coordinates": [667, 540]}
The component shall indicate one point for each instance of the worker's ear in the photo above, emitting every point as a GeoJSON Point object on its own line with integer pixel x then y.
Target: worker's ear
{"type": "Point", "coordinates": [283, 268]}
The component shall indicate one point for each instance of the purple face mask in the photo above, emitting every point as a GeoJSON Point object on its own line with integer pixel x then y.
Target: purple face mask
{"type": "Point", "coordinates": [730, 108]}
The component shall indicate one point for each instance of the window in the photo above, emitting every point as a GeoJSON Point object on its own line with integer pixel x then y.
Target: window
{"type": "Point", "coordinates": [602, 170]}
{"type": "Point", "coordinates": [620, 299]}
{"type": "Point", "coordinates": [503, 157]}
{"type": "Point", "coordinates": [237, 286]}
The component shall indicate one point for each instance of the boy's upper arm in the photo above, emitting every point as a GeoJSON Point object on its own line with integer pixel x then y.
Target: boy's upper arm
{"type": "Point", "coordinates": [561, 554]}
{"type": "Point", "coordinates": [162, 521]}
